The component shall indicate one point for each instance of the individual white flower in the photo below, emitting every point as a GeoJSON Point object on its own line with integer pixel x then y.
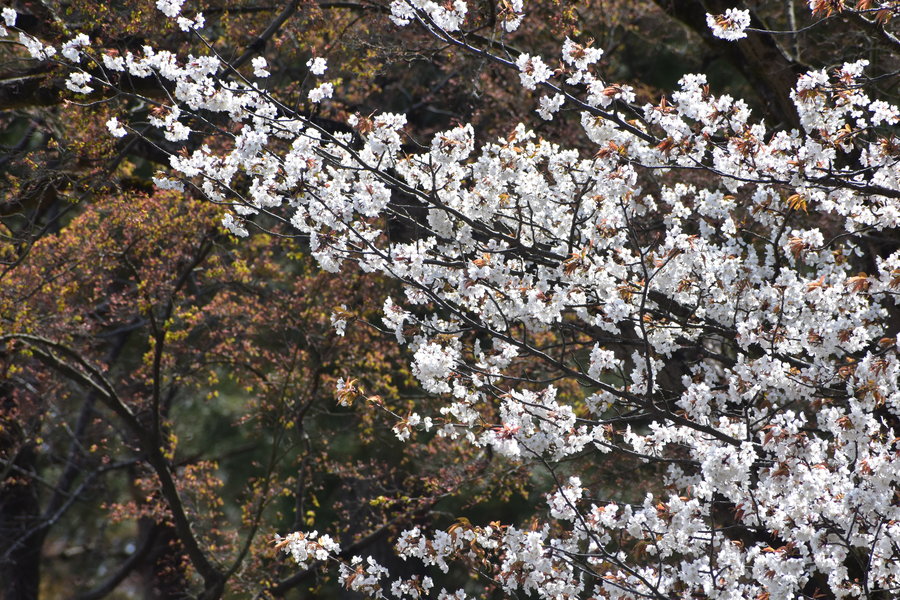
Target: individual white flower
{"type": "Point", "coordinates": [602, 360]}
{"type": "Point", "coordinates": [186, 24]}
{"type": "Point", "coordinates": [512, 15]}
{"type": "Point", "coordinates": [578, 56]}
{"type": "Point", "coordinates": [170, 8]}
{"type": "Point", "coordinates": [532, 71]}
{"type": "Point", "coordinates": [136, 66]}
{"type": "Point", "coordinates": [115, 128]}
{"type": "Point", "coordinates": [854, 69]}
{"type": "Point", "coordinates": [71, 48]}
{"type": "Point", "coordinates": [234, 226]}
{"type": "Point", "coordinates": [451, 19]}
{"type": "Point", "coordinates": [321, 92]}
{"type": "Point", "coordinates": [394, 318]}
{"type": "Point", "coordinates": [731, 25]}
{"type": "Point", "coordinates": [346, 392]}
{"type": "Point", "coordinates": [9, 16]}
{"type": "Point", "coordinates": [604, 95]}
{"type": "Point", "coordinates": [259, 65]}
{"type": "Point", "coordinates": [402, 13]}
{"type": "Point", "coordinates": [339, 321]}
{"type": "Point", "coordinates": [512, 22]}
{"type": "Point", "coordinates": [164, 183]}
{"type": "Point", "coordinates": [317, 65]}
{"type": "Point", "coordinates": [113, 63]}
{"type": "Point", "coordinates": [563, 501]}
{"type": "Point", "coordinates": [454, 145]}
{"type": "Point", "coordinates": [365, 579]}
{"type": "Point", "coordinates": [550, 105]}
{"type": "Point", "coordinates": [326, 546]}
{"type": "Point", "coordinates": [882, 112]}
{"type": "Point", "coordinates": [77, 82]}
{"type": "Point", "coordinates": [176, 131]}
{"type": "Point", "coordinates": [402, 430]}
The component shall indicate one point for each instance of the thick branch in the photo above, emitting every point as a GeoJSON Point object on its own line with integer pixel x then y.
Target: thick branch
{"type": "Point", "coordinates": [48, 352]}
{"type": "Point", "coordinates": [125, 569]}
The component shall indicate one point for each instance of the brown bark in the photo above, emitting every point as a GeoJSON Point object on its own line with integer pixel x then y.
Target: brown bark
{"type": "Point", "coordinates": [20, 548]}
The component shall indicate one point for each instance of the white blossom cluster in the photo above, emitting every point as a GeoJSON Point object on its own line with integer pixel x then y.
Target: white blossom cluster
{"type": "Point", "coordinates": [448, 17]}
{"type": "Point", "coordinates": [307, 547]}
{"type": "Point", "coordinates": [780, 428]}
{"type": "Point", "coordinates": [731, 25]}
{"type": "Point", "coordinates": [361, 575]}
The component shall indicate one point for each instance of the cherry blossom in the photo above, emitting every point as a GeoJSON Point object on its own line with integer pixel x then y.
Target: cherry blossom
{"type": "Point", "coordinates": [260, 65]}
{"type": "Point", "coordinates": [731, 25]}
{"type": "Point", "coordinates": [720, 326]}
{"type": "Point", "coordinates": [317, 66]}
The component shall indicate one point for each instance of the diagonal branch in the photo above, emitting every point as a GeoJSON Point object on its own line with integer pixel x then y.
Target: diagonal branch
{"type": "Point", "coordinates": [259, 44]}
{"type": "Point", "coordinates": [70, 364]}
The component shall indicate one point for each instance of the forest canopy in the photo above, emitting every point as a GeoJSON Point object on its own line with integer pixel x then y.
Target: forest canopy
{"type": "Point", "coordinates": [402, 299]}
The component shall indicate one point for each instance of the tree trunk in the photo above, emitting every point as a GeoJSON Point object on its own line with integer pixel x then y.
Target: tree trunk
{"type": "Point", "coordinates": [20, 544]}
